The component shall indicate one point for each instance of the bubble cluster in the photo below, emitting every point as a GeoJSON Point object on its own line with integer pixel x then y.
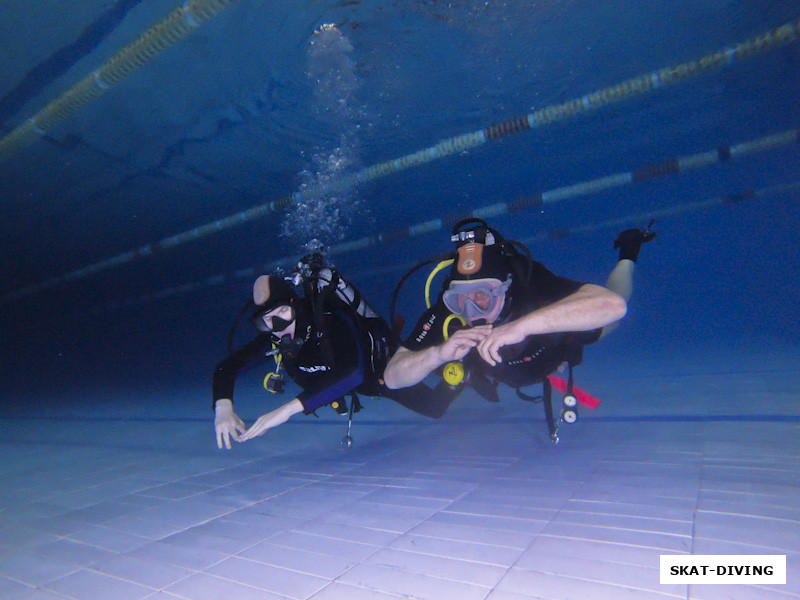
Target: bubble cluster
{"type": "Point", "coordinates": [324, 210]}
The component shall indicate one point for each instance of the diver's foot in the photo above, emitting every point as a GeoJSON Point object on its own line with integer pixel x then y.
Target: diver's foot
{"type": "Point", "coordinates": [630, 241]}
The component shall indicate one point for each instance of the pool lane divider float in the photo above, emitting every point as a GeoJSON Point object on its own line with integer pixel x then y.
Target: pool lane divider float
{"type": "Point", "coordinates": [775, 38]}
{"type": "Point", "coordinates": [592, 186]}
{"type": "Point", "coordinates": [191, 15]}
{"type": "Point", "coordinates": [251, 272]}
{"type": "Point", "coordinates": [176, 26]}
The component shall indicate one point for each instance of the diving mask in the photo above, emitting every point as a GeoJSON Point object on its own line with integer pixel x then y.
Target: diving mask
{"type": "Point", "coordinates": [476, 299]}
{"type": "Point", "coordinates": [264, 321]}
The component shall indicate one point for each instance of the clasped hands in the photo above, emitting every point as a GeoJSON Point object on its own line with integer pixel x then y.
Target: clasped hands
{"type": "Point", "coordinates": [485, 338]}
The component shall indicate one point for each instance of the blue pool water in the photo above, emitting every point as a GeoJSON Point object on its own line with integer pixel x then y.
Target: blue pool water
{"type": "Point", "coordinates": [111, 325]}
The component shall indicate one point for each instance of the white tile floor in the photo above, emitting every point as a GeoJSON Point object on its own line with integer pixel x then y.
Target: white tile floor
{"type": "Point", "coordinates": [476, 506]}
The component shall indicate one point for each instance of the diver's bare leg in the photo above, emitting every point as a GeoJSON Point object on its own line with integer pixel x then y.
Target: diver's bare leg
{"type": "Point", "coordinates": [620, 280]}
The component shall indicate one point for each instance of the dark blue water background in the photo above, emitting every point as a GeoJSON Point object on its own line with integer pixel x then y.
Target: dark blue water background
{"type": "Point", "coordinates": [718, 288]}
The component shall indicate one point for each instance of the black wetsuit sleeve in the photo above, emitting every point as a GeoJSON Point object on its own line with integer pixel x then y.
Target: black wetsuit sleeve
{"type": "Point", "coordinates": [429, 329]}
{"type": "Point", "coordinates": [346, 372]}
{"type": "Point", "coordinates": [244, 359]}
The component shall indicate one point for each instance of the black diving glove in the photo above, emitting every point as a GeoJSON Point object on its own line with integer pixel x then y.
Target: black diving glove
{"type": "Point", "coordinates": [630, 241]}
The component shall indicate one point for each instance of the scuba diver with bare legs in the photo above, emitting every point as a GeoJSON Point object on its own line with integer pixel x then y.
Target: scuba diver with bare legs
{"type": "Point", "coordinates": [502, 317]}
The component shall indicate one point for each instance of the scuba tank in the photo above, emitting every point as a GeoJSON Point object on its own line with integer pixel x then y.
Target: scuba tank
{"type": "Point", "coordinates": [327, 290]}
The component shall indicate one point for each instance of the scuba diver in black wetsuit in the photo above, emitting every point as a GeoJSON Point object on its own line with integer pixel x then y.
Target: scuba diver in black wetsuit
{"type": "Point", "coordinates": [330, 342]}
{"type": "Point", "coordinates": [502, 317]}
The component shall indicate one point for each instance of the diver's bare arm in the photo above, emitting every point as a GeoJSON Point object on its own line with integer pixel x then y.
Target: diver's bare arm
{"type": "Point", "coordinates": [409, 367]}
{"type": "Point", "coordinates": [591, 307]}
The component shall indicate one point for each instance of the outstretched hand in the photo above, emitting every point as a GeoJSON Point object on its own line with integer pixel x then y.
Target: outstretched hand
{"type": "Point", "coordinates": [271, 419]}
{"type": "Point", "coordinates": [260, 427]}
{"type": "Point", "coordinates": [227, 424]}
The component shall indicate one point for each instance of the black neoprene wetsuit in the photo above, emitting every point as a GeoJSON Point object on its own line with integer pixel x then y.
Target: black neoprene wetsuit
{"type": "Point", "coordinates": [536, 356]}
{"type": "Point", "coordinates": [344, 358]}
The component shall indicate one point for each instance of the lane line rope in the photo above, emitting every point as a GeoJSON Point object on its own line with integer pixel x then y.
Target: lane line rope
{"type": "Point", "coordinates": [780, 36]}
